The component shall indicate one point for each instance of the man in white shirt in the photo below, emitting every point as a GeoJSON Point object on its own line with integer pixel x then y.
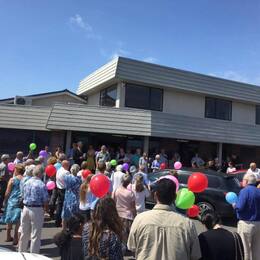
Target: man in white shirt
{"type": "Point", "coordinates": [116, 177]}
{"type": "Point", "coordinates": [60, 175]}
{"type": "Point", "coordinates": [253, 170]}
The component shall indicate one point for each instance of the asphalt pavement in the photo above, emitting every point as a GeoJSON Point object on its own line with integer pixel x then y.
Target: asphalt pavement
{"type": "Point", "coordinates": [49, 249]}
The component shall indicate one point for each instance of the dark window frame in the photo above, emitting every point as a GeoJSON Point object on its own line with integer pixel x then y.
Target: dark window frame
{"type": "Point", "coordinates": [128, 85]}
{"type": "Point", "coordinates": [105, 90]}
{"type": "Point", "coordinates": [215, 112]}
{"type": "Point", "coordinates": [257, 107]}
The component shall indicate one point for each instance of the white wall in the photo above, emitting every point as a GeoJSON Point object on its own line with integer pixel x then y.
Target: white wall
{"type": "Point", "coordinates": [93, 99]}
{"type": "Point", "coordinates": [181, 103]}
{"type": "Point", "coordinates": [243, 113]}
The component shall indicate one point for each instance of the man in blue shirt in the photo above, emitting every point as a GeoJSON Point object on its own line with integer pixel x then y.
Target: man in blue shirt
{"type": "Point", "coordinates": [35, 198]}
{"type": "Point", "coordinates": [248, 213]}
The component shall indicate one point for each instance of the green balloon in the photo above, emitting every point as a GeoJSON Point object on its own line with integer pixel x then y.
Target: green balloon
{"type": "Point", "coordinates": [32, 146]}
{"type": "Point", "coordinates": [113, 162]}
{"type": "Point", "coordinates": [185, 199]}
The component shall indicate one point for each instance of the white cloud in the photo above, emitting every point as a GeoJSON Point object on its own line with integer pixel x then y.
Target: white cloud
{"type": "Point", "coordinates": [236, 76]}
{"type": "Point", "coordinates": [119, 52]}
{"type": "Point", "coordinates": [230, 74]}
{"type": "Point", "coordinates": [150, 59]}
{"type": "Point", "coordinates": [78, 21]}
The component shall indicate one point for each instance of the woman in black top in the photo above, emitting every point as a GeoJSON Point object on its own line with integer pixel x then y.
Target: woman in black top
{"type": "Point", "coordinates": [218, 243]}
{"type": "Point", "coordinates": [70, 241]}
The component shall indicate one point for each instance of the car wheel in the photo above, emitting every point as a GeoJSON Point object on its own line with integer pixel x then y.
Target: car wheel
{"type": "Point", "coordinates": [204, 206]}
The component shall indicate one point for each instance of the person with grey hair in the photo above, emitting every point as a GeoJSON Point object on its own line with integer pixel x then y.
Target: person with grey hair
{"type": "Point", "coordinates": [125, 204]}
{"type": "Point", "coordinates": [248, 213]}
{"type": "Point", "coordinates": [116, 177]}
{"type": "Point", "coordinates": [4, 177]}
{"type": "Point", "coordinates": [60, 184]}
{"type": "Point", "coordinates": [27, 175]}
{"type": "Point", "coordinates": [72, 184]}
{"type": "Point", "coordinates": [103, 155]}
{"type": "Point", "coordinates": [35, 199]}
{"type": "Point", "coordinates": [109, 170]}
{"type": "Point", "coordinates": [254, 170]}
{"type": "Point", "coordinates": [19, 157]}
{"type": "Point", "coordinates": [74, 169]}
{"type": "Point", "coordinates": [28, 162]}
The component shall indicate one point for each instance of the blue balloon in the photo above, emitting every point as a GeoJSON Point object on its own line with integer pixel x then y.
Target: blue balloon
{"type": "Point", "coordinates": [57, 166]}
{"type": "Point", "coordinates": [231, 197]}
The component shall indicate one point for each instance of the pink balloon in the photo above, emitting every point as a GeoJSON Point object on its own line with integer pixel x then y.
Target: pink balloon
{"type": "Point", "coordinates": [177, 165]}
{"type": "Point", "coordinates": [50, 185]}
{"type": "Point", "coordinates": [11, 166]}
{"type": "Point", "coordinates": [172, 178]}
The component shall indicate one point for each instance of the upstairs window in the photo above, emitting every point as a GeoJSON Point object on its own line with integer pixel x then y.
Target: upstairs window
{"type": "Point", "coordinates": [108, 96]}
{"type": "Point", "coordinates": [257, 115]}
{"type": "Point", "coordinates": [218, 108]}
{"type": "Point", "coordinates": [144, 97]}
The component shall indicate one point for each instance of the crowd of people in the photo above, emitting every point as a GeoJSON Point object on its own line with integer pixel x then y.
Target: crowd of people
{"type": "Point", "coordinates": [118, 224]}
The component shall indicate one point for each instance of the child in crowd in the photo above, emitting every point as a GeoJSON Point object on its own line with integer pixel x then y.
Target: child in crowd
{"type": "Point", "coordinates": [231, 168]}
{"type": "Point", "coordinates": [141, 192]}
{"type": "Point", "coordinates": [87, 199]}
{"type": "Point", "coordinates": [70, 241]}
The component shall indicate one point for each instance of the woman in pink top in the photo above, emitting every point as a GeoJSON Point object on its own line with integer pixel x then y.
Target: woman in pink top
{"type": "Point", "coordinates": [125, 205]}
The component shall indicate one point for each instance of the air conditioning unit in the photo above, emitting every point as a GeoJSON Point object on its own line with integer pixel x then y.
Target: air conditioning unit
{"type": "Point", "coordinates": [18, 100]}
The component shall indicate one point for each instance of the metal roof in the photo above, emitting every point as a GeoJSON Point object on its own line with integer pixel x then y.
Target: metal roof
{"type": "Point", "coordinates": [129, 70]}
{"type": "Point", "coordinates": [150, 123]}
{"type": "Point", "coordinates": [126, 121]}
{"type": "Point", "coordinates": [47, 94]}
{"type": "Point", "coordinates": [24, 117]}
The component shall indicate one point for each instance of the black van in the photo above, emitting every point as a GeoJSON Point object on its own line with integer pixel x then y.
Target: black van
{"type": "Point", "coordinates": [213, 198]}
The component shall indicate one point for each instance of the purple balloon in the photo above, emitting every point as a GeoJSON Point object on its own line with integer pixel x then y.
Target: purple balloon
{"type": "Point", "coordinates": [43, 153]}
{"type": "Point", "coordinates": [125, 166]}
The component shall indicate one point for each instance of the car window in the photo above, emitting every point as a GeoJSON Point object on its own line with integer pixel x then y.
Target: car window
{"type": "Point", "coordinates": [240, 176]}
{"type": "Point", "coordinates": [183, 178]}
{"type": "Point", "coordinates": [214, 182]}
{"type": "Point", "coordinates": [232, 184]}
{"type": "Point", "coordinates": [153, 176]}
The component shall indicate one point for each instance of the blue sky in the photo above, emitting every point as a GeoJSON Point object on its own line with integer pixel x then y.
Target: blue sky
{"type": "Point", "coordinates": [49, 45]}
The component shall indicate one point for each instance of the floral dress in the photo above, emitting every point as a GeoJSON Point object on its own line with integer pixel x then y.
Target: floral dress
{"type": "Point", "coordinates": [12, 211]}
{"type": "Point", "coordinates": [71, 199]}
{"type": "Point", "coordinates": [110, 247]}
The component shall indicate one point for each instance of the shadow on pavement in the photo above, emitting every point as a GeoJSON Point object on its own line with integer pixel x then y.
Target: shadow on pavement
{"type": "Point", "coordinates": [46, 241]}
{"type": "Point", "coordinates": [49, 225]}
{"type": "Point", "coordinates": [50, 252]}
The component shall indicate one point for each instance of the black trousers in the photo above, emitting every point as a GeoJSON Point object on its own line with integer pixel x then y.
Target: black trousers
{"type": "Point", "coordinates": [60, 201]}
{"type": "Point", "coordinates": [52, 202]}
{"type": "Point", "coordinates": [3, 186]}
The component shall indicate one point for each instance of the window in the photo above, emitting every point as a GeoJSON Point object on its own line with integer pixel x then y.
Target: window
{"type": "Point", "coordinates": [144, 97]}
{"type": "Point", "coordinates": [214, 182]}
{"type": "Point", "coordinates": [108, 96]}
{"type": "Point", "coordinates": [257, 115]}
{"type": "Point", "coordinates": [218, 108]}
